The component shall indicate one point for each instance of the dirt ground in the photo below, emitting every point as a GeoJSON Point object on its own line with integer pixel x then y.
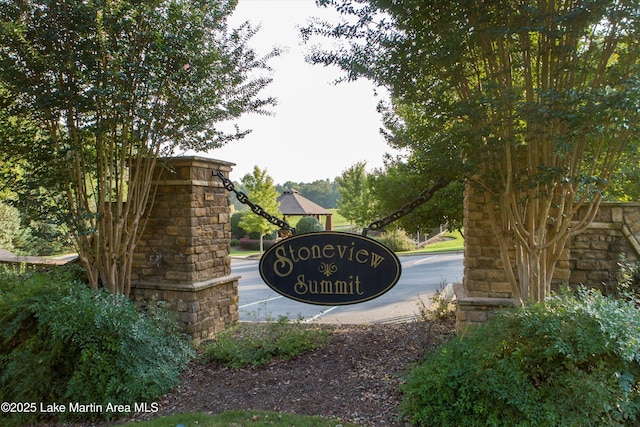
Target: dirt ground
{"type": "Point", "coordinates": [355, 378]}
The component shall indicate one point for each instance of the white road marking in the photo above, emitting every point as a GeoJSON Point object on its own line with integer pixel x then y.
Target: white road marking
{"type": "Point", "coordinates": [425, 259]}
{"type": "Point", "coordinates": [260, 302]}
{"type": "Point", "coordinates": [322, 313]}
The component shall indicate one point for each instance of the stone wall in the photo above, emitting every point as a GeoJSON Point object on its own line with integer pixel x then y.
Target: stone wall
{"type": "Point", "coordinates": [596, 253]}
{"type": "Point", "coordinates": [591, 257]}
{"type": "Point", "coordinates": [183, 255]}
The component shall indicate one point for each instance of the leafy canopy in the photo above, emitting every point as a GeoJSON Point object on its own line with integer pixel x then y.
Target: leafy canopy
{"type": "Point", "coordinates": [533, 102]}
{"type": "Point", "coordinates": [469, 78]}
{"type": "Point", "coordinates": [112, 86]}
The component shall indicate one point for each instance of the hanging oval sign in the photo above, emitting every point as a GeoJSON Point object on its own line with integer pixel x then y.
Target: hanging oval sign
{"type": "Point", "coordinates": [330, 268]}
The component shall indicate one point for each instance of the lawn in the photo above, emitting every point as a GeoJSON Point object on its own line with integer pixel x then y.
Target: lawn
{"type": "Point", "coordinates": [454, 242]}
{"type": "Point", "coordinates": [239, 419]}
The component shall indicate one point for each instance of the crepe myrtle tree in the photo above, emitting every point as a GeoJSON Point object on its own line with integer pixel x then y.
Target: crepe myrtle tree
{"type": "Point", "coordinates": [116, 85]}
{"type": "Point", "coordinates": [531, 102]}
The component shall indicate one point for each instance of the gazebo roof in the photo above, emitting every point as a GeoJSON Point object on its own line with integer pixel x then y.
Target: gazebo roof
{"type": "Point", "coordinates": [292, 203]}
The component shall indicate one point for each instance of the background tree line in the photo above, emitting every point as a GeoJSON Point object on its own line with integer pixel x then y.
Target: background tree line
{"type": "Point", "coordinates": [362, 196]}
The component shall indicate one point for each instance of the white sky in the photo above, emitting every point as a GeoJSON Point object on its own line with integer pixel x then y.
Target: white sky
{"type": "Point", "coordinates": [319, 129]}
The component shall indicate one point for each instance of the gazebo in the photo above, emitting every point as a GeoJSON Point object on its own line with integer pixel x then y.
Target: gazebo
{"type": "Point", "coordinates": [294, 204]}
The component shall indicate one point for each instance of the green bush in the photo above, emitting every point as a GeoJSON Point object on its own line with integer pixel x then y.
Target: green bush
{"type": "Point", "coordinates": [256, 343]}
{"type": "Point", "coordinates": [308, 224]}
{"type": "Point", "coordinates": [63, 342]}
{"type": "Point", "coordinates": [39, 238]}
{"type": "Point", "coordinates": [256, 235]}
{"type": "Point", "coordinates": [9, 226]}
{"type": "Point", "coordinates": [628, 280]}
{"type": "Point", "coordinates": [397, 240]}
{"type": "Point", "coordinates": [43, 239]}
{"type": "Point", "coordinates": [254, 244]}
{"type": "Point", "coordinates": [236, 230]}
{"type": "Point", "coordinates": [571, 361]}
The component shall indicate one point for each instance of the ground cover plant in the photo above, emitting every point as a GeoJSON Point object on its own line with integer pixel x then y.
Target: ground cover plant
{"type": "Point", "coordinates": [573, 360]}
{"type": "Point", "coordinates": [254, 344]}
{"type": "Point", "coordinates": [61, 341]}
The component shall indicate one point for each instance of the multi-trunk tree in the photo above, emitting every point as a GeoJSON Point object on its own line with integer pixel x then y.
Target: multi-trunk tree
{"type": "Point", "coordinates": [531, 102]}
{"type": "Point", "coordinates": [113, 87]}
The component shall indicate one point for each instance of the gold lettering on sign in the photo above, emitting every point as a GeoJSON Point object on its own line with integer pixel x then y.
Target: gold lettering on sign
{"type": "Point", "coordinates": [328, 287]}
{"type": "Point", "coordinates": [283, 265]}
{"type": "Point", "coordinates": [287, 256]}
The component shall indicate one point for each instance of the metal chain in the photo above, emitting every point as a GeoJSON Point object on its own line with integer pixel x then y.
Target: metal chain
{"type": "Point", "coordinates": [424, 197]}
{"type": "Point", "coordinates": [257, 209]}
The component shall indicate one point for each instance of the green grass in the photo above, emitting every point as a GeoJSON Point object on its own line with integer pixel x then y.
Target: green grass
{"type": "Point", "coordinates": [455, 244]}
{"type": "Point", "coordinates": [240, 419]}
{"type": "Point", "coordinates": [339, 222]}
{"type": "Point", "coordinates": [237, 252]}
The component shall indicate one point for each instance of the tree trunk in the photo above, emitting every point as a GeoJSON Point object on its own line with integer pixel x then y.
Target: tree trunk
{"type": "Point", "coordinates": [113, 226]}
{"type": "Point", "coordinates": [530, 247]}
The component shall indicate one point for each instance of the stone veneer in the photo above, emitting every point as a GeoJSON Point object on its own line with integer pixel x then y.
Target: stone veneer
{"type": "Point", "coordinates": [591, 258]}
{"type": "Point", "coordinates": [596, 253]}
{"type": "Point", "coordinates": [183, 255]}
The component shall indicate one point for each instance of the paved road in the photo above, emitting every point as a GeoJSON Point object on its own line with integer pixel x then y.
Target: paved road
{"type": "Point", "coordinates": [422, 276]}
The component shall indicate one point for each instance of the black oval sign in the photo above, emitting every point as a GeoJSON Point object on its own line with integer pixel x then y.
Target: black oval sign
{"type": "Point", "coordinates": [330, 268]}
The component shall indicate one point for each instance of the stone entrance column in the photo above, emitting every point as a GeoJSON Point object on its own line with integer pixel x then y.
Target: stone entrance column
{"type": "Point", "coordinates": [485, 287]}
{"type": "Point", "coordinates": [183, 255]}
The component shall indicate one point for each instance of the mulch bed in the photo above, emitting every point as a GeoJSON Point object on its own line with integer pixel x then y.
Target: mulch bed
{"type": "Point", "coordinates": [355, 378]}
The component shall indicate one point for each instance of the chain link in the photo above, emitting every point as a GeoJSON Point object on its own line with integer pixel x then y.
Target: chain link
{"type": "Point", "coordinates": [424, 197]}
{"type": "Point", "coordinates": [256, 209]}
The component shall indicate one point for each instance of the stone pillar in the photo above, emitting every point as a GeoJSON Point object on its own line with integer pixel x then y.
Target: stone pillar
{"type": "Point", "coordinates": [183, 255]}
{"type": "Point", "coordinates": [485, 287]}
{"type": "Point", "coordinates": [591, 258]}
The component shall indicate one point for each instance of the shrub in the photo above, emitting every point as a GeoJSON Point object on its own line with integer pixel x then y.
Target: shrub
{"type": "Point", "coordinates": [397, 240]}
{"type": "Point", "coordinates": [441, 306]}
{"type": "Point", "coordinates": [255, 235]}
{"type": "Point", "coordinates": [628, 280]}
{"type": "Point", "coordinates": [257, 343]}
{"type": "Point", "coordinates": [42, 239]}
{"type": "Point", "coordinates": [254, 244]}
{"type": "Point", "coordinates": [308, 224]}
{"type": "Point", "coordinates": [63, 342]}
{"type": "Point", "coordinates": [9, 226]}
{"type": "Point", "coordinates": [236, 230]}
{"type": "Point", "coordinates": [570, 361]}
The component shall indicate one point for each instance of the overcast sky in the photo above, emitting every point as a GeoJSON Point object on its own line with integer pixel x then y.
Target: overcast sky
{"type": "Point", "coordinates": [319, 129]}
